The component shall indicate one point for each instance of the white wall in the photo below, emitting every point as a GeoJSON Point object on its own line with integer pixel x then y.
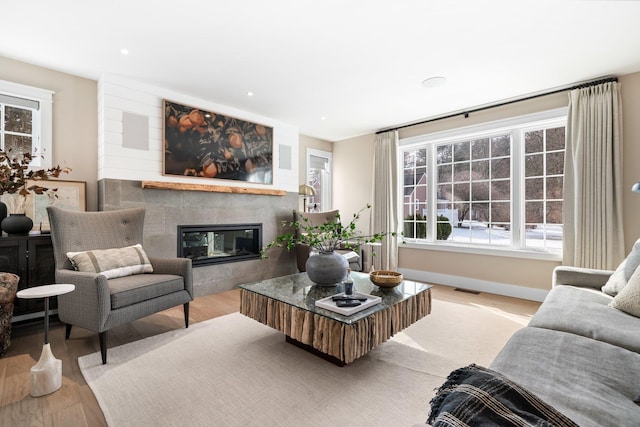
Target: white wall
{"type": "Point", "coordinates": [117, 95]}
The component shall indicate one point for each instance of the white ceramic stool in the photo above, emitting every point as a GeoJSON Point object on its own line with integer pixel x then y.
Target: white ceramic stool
{"type": "Point", "coordinates": [46, 375]}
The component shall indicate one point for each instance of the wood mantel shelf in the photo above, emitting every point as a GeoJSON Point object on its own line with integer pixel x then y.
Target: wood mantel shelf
{"type": "Point", "coordinates": [157, 185]}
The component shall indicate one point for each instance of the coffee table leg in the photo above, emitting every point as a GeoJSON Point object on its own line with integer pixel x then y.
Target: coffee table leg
{"type": "Point", "coordinates": [46, 375]}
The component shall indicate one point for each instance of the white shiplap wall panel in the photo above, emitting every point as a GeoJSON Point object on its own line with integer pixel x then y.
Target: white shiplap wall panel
{"type": "Point", "coordinates": [117, 95]}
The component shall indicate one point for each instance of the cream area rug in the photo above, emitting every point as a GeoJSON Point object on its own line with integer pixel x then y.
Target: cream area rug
{"type": "Point", "coordinates": [234, 371]}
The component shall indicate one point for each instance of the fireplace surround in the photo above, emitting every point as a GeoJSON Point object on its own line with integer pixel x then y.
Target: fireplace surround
{"type": "Point", "coordinates": [219, 243]}
{"type": "Point", "coordinates": [166, 209]}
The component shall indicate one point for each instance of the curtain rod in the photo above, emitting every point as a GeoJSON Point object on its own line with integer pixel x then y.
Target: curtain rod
{"type": "Point", "coordinates": [501, 104]}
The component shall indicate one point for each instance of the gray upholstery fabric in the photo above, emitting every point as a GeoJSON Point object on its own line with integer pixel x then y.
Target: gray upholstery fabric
{"type": "Point", "coordinates": [130, 290]}
{"type": "Point", "coordinates": [586, 312]}
{"type": "Point", "coordinates": [577, 276]}
{"type": "Point", "coordinates": [99, 304]}
{"type": "Point", "coordinates": [622, 274]}
{"type": "Point", "coordinates": [591, 382]}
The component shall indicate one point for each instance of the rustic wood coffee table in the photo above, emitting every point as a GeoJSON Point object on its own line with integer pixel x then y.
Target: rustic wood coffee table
{"type": "Point", "coordinates": [287, 304]}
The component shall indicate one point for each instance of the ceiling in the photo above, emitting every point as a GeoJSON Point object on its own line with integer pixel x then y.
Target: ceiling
{"type": "Point", "coordinates": [333, 68]}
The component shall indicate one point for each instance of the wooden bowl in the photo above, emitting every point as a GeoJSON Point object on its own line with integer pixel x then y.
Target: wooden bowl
{"type": "Point", "coordinates": [386, 278]}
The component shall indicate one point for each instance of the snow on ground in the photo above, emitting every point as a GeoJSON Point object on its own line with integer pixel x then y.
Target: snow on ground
{"type": "Point", "coordinates": [479, 233]}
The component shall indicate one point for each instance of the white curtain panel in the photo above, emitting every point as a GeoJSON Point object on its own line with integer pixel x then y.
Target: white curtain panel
{"type": "Point", "coordinates": [592, 211]}
{"type": "Point", "coordinates": [384, 212]}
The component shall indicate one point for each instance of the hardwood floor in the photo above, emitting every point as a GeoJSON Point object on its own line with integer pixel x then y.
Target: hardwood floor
{"type": "Point", "coordinates": [74, 404]}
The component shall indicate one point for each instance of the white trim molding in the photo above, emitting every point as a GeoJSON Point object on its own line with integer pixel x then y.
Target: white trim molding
{"type": "Point", "coordinates": [471, 284]}
{"type": "Point", "coordinates": [42, 122]}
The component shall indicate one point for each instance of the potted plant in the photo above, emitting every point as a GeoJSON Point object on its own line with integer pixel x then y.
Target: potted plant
{"type": "Point", "coordinates": [326, 267]}
{"type": "Point", "coordinates": [14, 175]}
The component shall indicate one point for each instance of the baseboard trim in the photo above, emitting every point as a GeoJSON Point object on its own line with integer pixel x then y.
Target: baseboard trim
{"type": "Point", "coordinates": [504, 289]}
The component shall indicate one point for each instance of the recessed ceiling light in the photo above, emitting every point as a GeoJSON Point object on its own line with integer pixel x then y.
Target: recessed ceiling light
{"type": "Point", "coordinates": [323, 118]}
{"type": "Point", "coordinates": [434, 82]}
{"type": "Point", "coordinates": [249, 93]}
{"type": "Point", "coordinates": [124, 51]}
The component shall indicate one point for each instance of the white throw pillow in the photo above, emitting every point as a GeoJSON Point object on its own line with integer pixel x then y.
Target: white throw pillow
{"type": "Point", "coordinates": [112, 263]}
{"type": "Point", "coordinates": [628, 299]}
{"type": "Point", "coordinates": [623, 273]}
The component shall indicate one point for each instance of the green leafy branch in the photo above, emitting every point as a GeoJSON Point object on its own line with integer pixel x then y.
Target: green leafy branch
{"type": "Point", "coordinates": [326, 237]}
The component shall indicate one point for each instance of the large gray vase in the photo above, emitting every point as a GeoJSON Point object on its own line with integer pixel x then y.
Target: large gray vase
{"type": "Point", "coordinates": [327, 268]}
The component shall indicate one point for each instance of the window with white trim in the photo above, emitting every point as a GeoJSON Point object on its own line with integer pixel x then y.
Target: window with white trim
{"type": "Point", "coordinates": [319, 165]}
{"type": "Point", "coordinates": [25, 122]}
{"type": "Point", "coordinates": [496, 185]}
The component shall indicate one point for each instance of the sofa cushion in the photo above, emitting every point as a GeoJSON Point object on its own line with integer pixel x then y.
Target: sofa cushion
{"type": "Point", "coordinates": [628, 299]}
{"type": "Point", "coordinates": [586, 312]}
{"type": "Point", "coordinates": [116, 262]}
{"type": "Point", "coordinates": [623, 273]}
{"type": "Point", "coordinates": [591, 382]}
{"type": "Point", "coordinates": [130, 290]}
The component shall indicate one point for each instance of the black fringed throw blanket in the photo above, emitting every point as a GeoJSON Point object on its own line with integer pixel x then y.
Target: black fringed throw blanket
{"type": "Point", "coordinates": [477, 396]}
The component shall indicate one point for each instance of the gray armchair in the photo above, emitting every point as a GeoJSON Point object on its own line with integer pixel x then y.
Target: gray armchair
{"type": "Point", "coordinates": [99, 304]}
{"type": "Point", "coordinates": [317, 219]}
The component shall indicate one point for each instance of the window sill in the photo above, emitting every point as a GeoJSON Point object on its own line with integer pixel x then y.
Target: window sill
{"type": "Point", "coordinates": [506, 252]}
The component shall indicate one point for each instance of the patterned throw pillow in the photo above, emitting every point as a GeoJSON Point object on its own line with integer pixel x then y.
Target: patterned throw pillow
{"type": "Point", "coordinates": [112, 263]}
{"type": "Point", "coordinates": [628, 299]}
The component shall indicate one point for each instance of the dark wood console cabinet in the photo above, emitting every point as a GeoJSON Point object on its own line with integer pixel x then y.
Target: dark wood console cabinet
{"type": "Point", "coordinates": [31, 258]}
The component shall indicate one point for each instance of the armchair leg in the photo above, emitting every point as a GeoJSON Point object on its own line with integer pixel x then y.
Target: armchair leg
{"type": "Point", "coordinates": [67, 333]}
{"type": "Point", "coordinates": [103, 346]}
{"type": "Point", "coordinates": [186, 314]}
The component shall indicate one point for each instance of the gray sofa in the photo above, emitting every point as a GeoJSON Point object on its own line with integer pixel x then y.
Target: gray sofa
{"type": "Point", "coordinates": [579, 354]}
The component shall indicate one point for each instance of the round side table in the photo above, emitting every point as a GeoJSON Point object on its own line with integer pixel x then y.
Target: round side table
{"type": "Point", "coordinates": [46, 375]}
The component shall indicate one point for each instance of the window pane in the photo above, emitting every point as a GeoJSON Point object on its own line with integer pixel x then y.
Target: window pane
{"type": "Point", "coordinates": [461, 192]}
{"type": "Point", "coordinates": [501, 168]}
{"type": "Point", "coordinates": [444, 154]}
{"type": "Point", "coordinates": [444, 193]}
{"type": "Point", "coordinates": [420, 200]}
{"type": "Point", "coordinates": [501, 190]}
{"type": "Point", "coordinates": [461, 151]}
{"type": "Point", "coordinates": [555, 163]}
{"type": "Point", "coordinates": [533, 165]}
{"type": "Point", "coordinates": [17, 120]}
{"type": "Point", "coordinates": [480, 170]}
{"type": "Point", "coordinates": [501, 146]}
{"type": "Point", "coordinates": [554, 187]}
{"type": "Point", "coordinates": [409, 159]}
{"type": "Point", "coordinates": [480, 190]}
{"type": "Point", "coordinates": [501, 212]}
{"type": "Point", "coordinates": [554, 212]}
{"type": "Point", "coordinates": [480, 212]}
{"type": "Point", "coordinates": [421, 175]}
{"type": "Point", "coordinates": [534, 212]}
{"type": "Point", "coordinates": [415, 229]}
{"type": "Point", "coordinates": [533, 142]}
{"type": "Point", "coordinates": [444, 173]}
{"type": "Point", "coordinates": [461, 171]}
{"type": "Point", "coordinates": [463, 211]}
{"type": "Point", "coordinates": [480, 149]}
{"type": "Point", "coordinates": [409, 177]}
{"type": "Point", "coordinates": [534, 189]}
{"type": "Point", "coordinates": [18, 145]}
{"type": "Point", "coordinates": [555, 139]}
{"type": "Point", "coordinates": [421, 157]}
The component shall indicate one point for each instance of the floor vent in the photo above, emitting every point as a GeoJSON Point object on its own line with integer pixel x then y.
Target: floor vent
{"type": "Point", "coordinates": [467, 291]}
